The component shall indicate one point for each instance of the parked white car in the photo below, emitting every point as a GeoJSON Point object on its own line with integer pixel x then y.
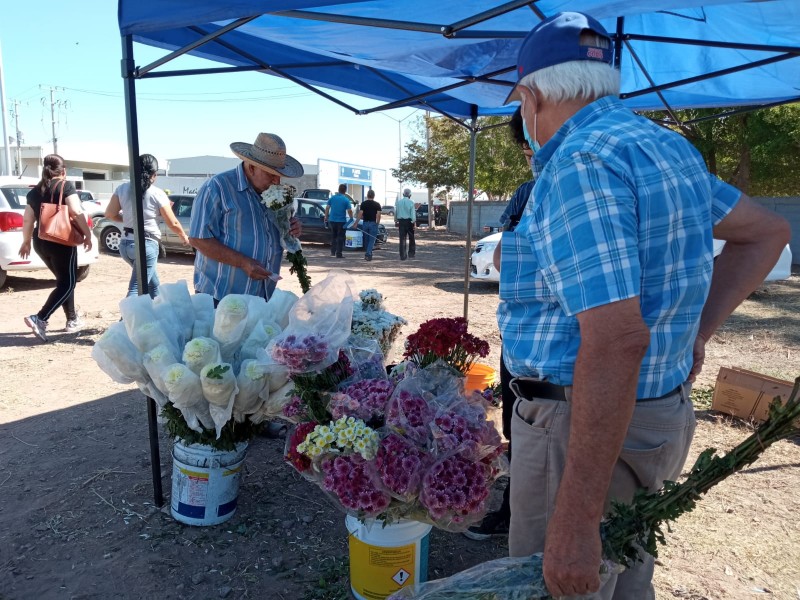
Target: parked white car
{"type": "Point", "coordinates": [482, 267]}
{"type": "Point", "coordinates": [92, 205]}
{"type": "Point", "coordinates": [13, 199]}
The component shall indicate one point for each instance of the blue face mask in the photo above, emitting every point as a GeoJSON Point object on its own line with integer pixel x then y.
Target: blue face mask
{"type": "Point", "coordinates": [532, 143]}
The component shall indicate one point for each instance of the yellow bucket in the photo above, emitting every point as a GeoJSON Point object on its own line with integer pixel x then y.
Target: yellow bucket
{"type": "Point", "coordinates": [386, 559]}
{"type": "Point", "coordinates": [479, 377]}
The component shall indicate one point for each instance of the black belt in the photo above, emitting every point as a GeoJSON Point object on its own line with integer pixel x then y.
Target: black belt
{"type": "Point", "coordinates": [147, 234]}
{"type": "Point", "coordinates": [532, 388]}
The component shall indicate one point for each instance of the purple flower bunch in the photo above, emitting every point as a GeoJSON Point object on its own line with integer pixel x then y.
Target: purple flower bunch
{"type": "Point", "coordinates": [347, 477]}
{"type": "Point", "coordinates": [295, 407]}
{"type": "Point", "coordinates": [455, 489]}
{"type": "Point", "coordinates": [400, 464]}
{"type": "Point", "coordinates": [365, 399]}
{"type": "Point", "coordinates": [467, 432]}
{"type": "Point", "coordinates": [410, 414]}
{"type": "Point", "coordinates": [300, 353]}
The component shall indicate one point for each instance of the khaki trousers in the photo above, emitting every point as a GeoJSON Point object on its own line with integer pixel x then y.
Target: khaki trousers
{"type": "Point", "coordinates": [655, 450]}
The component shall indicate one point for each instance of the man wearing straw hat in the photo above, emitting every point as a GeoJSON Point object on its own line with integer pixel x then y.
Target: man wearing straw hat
{"type": "Point", "coordinates": [606, 301]}
{"type": "Point", "coordinates": [238, 244]}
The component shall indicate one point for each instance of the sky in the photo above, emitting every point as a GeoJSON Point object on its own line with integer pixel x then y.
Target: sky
{"type": "Point", "coordinates": [74, 49]}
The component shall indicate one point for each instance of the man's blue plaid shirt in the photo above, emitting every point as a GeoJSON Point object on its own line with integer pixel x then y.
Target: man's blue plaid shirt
{"type": "Point", "coordinates": [621, 208]}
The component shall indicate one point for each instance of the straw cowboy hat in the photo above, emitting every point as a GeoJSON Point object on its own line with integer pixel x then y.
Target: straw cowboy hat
{"type": "Point", "coordinates": [269, 153]}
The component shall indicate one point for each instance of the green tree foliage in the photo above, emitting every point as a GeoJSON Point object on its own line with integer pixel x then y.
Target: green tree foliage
{"type": "Point", "coordinates": [756, 151]}
{"type": "Point", "coordinates": [444, 161]}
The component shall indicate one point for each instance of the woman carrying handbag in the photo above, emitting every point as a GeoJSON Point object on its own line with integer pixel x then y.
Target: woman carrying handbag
{"type": "Point", "coordinates": [61, 259]}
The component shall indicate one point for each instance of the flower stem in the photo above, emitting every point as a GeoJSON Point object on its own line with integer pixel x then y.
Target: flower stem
{"type": "Point", "coordinates": [299, 264]}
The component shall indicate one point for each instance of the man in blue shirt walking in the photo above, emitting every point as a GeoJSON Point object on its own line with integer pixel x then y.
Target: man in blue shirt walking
{"type": "Point", "coordinates": [337, 211]}
{"type": "Point", "coordinates": [606, 302]}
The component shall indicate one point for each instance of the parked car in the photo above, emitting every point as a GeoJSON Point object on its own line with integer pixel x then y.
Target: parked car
{"type": "Point", "coordinates": [110, 232]}
{"type": "Point", "coordinates": [312, 217]}
{"type": "Point", "coordinates": [316, 194]}
{"type": "Point", "coordinates": [13, 199]}
{"type": "Point", "coordinates": [387, 210]}
{"type": "Point", "coordinates": [93, 207]}
{"type": "Point", "coordinates": [439, 211]}
{"type": "Point", "coordinates": [482, 266]}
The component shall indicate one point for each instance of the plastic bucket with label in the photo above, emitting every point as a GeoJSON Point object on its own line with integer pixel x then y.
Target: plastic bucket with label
{"type": "Point", "coordinates": [386, 559]}
{"type": "Point", "coordinates": [353, 239]}
{"type": "Point", "coordinates": [205, 482]}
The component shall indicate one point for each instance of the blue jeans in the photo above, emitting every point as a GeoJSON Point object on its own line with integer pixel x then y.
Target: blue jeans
{"type": "Point", "coordinates": [127, 250]}
{"type": "Point", "coordinates": [370, 230]}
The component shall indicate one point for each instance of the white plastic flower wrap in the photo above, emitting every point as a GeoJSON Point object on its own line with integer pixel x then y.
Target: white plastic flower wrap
{"type": "Point", "coordinates": [199, 352]}
{"type": "Point", "coordinates": [168, 321]}
{"type": "Point", "coordinates": [257, 310]}
{"type": "Point", "coordinates": [253, 389]}
{"type": "Point", "coordinates": [272, 408]}
{"type": "Point", "coordinates": [157, 361]}
{"type": "Point", "coordinates": [186, 394]}
{"type": "Point", "coordinates": [178, 296]}
{"type": "Point", "coordinates": [144, 327]}
{"type": "Point", "coordinates": [117, 357]}
{"type": "Point", "coordinates": [319, 325]}
{"type": "Point", "coordinates": [230, 320]}
{"type": "Point", "coordinates": [262, 334]}
{"type": "Point", "coordinates": [278, 199]}
{"type": "Point", "coordinates": [203, 315]}
{"type": "Point", "coordinates": [280, 304]}
{"type": "Point", "coordinates": [220, 389]}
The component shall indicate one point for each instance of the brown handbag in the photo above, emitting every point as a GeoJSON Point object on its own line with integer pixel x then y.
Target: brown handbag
{"type": "Point", "coordinates": [55, 224]}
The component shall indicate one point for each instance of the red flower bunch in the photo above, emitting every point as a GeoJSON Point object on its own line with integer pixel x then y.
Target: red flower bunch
{"type": "Point", "coordinates": [297, 459]}
{"type": "Point", "coordinates": [445, 339]}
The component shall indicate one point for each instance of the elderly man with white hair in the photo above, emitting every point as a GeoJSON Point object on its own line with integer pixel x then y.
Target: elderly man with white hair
{"type": "Point", "coordinates": [405, 218]}
{"type": "Point", "coordinates": [608, 293]}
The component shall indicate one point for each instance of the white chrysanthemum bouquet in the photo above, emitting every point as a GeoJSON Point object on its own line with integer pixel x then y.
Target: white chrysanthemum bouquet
{"type": "Point", "coordinates": [199, 363]}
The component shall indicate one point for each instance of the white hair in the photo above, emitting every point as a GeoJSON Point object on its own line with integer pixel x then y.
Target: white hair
{"type": "Point", "coordinates": [574, 80]}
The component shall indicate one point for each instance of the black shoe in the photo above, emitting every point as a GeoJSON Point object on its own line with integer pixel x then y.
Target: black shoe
{"type": "Point", "coordinates": [273, 430]}
{"type": "Point", "coordinates": [339, 256]}
{"type": "Point", "coordinates": [493, 524]}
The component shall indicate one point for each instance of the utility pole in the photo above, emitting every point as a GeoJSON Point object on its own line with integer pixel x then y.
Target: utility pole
{"type": "Point", "coordinates": [6, 153]}
{"type": "Point", "coordinates": [53, 116]}
{"type": "Point", "coordinates": [18, 137]}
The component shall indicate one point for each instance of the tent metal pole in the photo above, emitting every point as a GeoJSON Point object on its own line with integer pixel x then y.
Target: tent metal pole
{"type": "Point", "coordinates": [128, 76]}
{"type": "Point", "coordinates": [473, 134]}
{"type": "Point", "coordinates": [712, 43]}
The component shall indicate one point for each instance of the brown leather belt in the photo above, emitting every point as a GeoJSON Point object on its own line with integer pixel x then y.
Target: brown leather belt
{"type": "Point", "coordinates": [534, 388]}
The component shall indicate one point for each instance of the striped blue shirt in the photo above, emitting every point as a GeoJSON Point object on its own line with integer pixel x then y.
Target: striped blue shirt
{"type": "Point", "coordinates": [228, 209]}
{"type": "Point", "coordinates": [621, 208]}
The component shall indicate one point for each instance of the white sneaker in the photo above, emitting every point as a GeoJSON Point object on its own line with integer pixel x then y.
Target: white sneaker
{"type": "Point", "coordinates": [38, 327]}
{"type": "Point", "coordinates": [75, 326]}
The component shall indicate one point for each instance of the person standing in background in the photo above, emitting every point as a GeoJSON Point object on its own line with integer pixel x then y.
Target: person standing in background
{"type": "Point", "coordinates": [238, 244]}
{"type": "Point", "coordinates": [369, 213]}
{"type": "Point", "coordinates": [60, 259]}
{"type": "Point", "coordinates": [154, 203]}
{"type": "Point", "coordinates": [405, 218]}
{"type": "Point", "coordinates": [496, 523]}
{"type": "Point", "coordinates": [337, 212]}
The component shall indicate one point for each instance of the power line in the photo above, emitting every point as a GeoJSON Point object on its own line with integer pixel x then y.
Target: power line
{"type": "Point", "coordinates": [193, 96]}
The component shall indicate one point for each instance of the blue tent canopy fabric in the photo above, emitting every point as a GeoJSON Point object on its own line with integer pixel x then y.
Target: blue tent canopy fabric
{"type": "Point", "coordinates": [457, 57]}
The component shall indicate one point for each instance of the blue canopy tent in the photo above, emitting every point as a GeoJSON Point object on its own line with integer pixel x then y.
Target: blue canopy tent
{"type": "Point", "coordinates": [457, 57]}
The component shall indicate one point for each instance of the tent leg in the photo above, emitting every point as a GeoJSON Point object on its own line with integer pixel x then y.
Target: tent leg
{"type": "Point", "coordinates": [473, 134]}
{"type": "Point", "coordinates": [155, 454]}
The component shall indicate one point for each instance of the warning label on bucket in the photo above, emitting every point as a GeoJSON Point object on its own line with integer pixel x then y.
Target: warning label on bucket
{"type": "Point", "coordinates": [376, 571]}
{"type": "Point", "coordinates": [401, 576]}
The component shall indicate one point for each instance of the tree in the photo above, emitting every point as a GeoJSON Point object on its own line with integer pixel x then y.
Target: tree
{"type": "Point", "coordinates": [444, 161]}
{"type": "Point", "coordinates": [756, 151]}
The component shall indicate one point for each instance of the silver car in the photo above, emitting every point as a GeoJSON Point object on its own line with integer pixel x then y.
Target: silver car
{"type": "Point", "coordinates": [110, 232]}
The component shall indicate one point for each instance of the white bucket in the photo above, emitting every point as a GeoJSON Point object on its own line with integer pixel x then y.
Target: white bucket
{"type": "Point", "coordinates": [353, 239]}
{"type": "Point", "coordinates": [205, 482]}
{"type": "Point", "coordinates": [386, 559]}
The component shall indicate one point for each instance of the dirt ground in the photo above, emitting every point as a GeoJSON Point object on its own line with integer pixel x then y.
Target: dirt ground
{"type": "Point", "coordinates": [77, 513]}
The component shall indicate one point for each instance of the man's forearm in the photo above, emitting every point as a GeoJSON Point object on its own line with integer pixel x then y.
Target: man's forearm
{"type": "Point", "coordinates": [603, 398]}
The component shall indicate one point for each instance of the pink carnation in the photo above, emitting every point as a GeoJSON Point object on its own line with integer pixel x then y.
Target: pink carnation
{"type": "Point", "coordinates": [455, 490]}
{"type": "Point", "coordinates": [365, 399]}
{"type": "Point", "coordinates": [411, 415]}
{"type": "Point", "coordinates": [400, 465]}
{"type": "Point", "coordinates": [347, 478]}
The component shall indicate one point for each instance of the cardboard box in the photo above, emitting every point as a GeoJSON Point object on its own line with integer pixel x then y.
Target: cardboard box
{"type": "Point", "coordinates": [746, 394]}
